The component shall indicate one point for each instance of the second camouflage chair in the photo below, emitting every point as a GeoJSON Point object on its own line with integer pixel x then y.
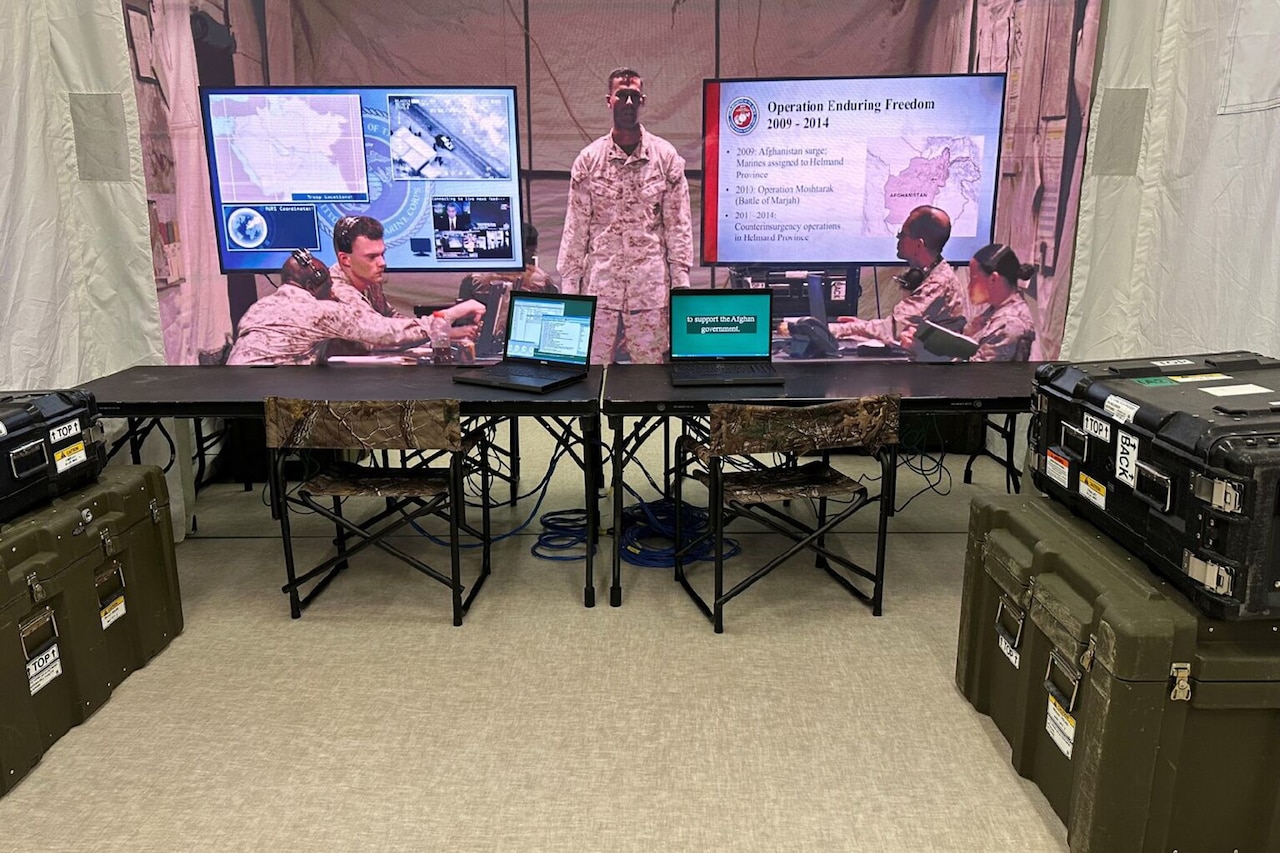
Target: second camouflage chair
{"type": "Point", "coordinates": [742, 432]}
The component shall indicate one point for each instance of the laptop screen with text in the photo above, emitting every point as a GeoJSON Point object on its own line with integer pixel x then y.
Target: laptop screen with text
{"type": "Point", "coordinates": [720, 324]}
{"type": "Point", "coordinates": [552, 328]}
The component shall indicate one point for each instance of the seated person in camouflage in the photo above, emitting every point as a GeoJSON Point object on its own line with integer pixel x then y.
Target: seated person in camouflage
{"type": "Point", "coordinates": [932, 291]}
{"type": "Point", "coordinates": [290, 325]}
{"type": "Point", "coordinates": [534, 278]}
{"type": "Point", "coordinates": [1005, 329]}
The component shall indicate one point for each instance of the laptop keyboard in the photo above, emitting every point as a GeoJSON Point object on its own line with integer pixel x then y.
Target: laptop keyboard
{"type": "Point", "coordinates": [753, 368]}
{"type": "Point", "coordinates": [526, 371]}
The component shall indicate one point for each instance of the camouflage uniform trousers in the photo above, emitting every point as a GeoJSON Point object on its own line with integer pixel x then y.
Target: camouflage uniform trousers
{"type": "Point", "coordinates": [644, 333]}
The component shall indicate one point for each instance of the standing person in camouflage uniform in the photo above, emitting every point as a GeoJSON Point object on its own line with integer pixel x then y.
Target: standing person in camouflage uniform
{"type": "Point", "coordinates": [938, 297]}
{"type": "Point", "coordinates": [628, 237]}
{"type": "Point", "coordinates": [361, 269]}
{"type": "Point", "coordinates": [290, 325]}
{"type": "Point", "coordinates": [1005, 330]}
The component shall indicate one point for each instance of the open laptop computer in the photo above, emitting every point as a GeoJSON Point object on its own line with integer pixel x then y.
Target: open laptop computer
{"type": "Point", "coordinates": [548, 343]}
{"type": "Point", "coordinates": [722, 337]}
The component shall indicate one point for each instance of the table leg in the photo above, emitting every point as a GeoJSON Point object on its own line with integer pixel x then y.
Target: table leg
{"type": "Point", "coordinates": [615, 591]}
{"type": "Point", "coordinates": [591, 470]}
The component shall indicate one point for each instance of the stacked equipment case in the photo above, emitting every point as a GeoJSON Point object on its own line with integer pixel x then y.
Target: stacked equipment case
{"type": "Point", "coordinates": [50, 445]}
{"type": "Point", "coordinates": [1179, 460]}
{"type": "Point", "coordinates": [1148, 725]}
{"type": "Point", "coordinates": [88, 594]}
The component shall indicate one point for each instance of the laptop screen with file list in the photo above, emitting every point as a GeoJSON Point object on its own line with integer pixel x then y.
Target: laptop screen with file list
{"type": "Point", "coordinates": [721, 325]}
{"type": "Point", "coordinates": [550, 329]}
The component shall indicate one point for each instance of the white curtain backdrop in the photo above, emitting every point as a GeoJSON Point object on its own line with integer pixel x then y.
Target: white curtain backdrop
{"type": "Point", "coordinates": [77, 290]}
{"type": "Point", "coordinates": [1179, 255]}
{"type": "Point", "coordinates": [195, 313]}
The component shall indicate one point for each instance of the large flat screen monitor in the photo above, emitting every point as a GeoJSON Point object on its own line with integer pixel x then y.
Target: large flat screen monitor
{"type": "Point", "coordinates": [823, 171]}
{"type": "Point", "coordinates": [438, 166]}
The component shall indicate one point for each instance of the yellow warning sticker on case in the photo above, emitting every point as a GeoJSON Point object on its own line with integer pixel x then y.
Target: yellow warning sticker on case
{"type": "Point", "coordinates": [1061, 727]}
{"type": "Point", "coordinates": [1093, 491]}
{"type": "Point", "coordinates": [69, 456]}
{"type": "Point", "coordinates": [112, 611]}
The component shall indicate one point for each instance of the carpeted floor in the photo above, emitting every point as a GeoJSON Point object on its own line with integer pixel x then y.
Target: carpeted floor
{"type": "Point", "coordinates": [373, 723]}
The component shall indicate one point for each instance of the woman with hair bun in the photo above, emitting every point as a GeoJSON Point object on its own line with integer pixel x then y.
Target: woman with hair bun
{"type": "Point", "coordinates": [1004, 330]}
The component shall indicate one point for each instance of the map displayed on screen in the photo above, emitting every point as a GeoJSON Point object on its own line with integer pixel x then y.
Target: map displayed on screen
{"type": "Point", "coordinates": [821, 171]}
{"type": "Point", "coordinates": [286, 163]}
{"type": "Point", "coordinates": [279, 148]}
{"type": "Point", "coordinates": [903, 173]}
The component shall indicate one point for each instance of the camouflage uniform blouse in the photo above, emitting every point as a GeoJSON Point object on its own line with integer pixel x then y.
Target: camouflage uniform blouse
{"type": "Point", "coordinates": [938, 298]}
{"type": "Point", "coordinates": [1003, 332]}
{"type": "Point", "coordinates": [628, 236]}
{"type": "Point", "coordinates": [285, 327]}
{"type": "Point", "coordinates": [347, 293]}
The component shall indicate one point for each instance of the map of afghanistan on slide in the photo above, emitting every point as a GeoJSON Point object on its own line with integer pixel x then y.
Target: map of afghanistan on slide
{"type": "Point", "coordinates": [903, 173]}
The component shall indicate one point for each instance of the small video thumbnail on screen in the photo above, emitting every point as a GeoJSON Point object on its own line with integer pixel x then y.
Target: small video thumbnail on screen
{"type": "Point", "coordinates": [437, 137]}
{"type": "Point", "coordinates": [472, 227]}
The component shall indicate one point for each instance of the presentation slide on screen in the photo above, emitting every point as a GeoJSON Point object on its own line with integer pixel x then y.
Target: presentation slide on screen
{"type": "Point", "coordinates": [721, 325]}
{"type": "Point", "coordinates": [825, 171]}
{"type": "Point", "coordinates": [437, 166]}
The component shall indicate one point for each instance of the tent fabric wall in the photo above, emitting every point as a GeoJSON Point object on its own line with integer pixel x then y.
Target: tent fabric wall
{"type": "Point", "coordinates": [195, 313]}
{"type": "Point", "coordinates": [1178, 254]}
{"type": "Point", "coordinates": [77, 289]}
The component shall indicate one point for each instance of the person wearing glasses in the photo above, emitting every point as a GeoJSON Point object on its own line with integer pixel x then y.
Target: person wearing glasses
{"type": "Point", "coordinates": [628, 235]}
{"type": "Point", "coordinates": [932, 290]}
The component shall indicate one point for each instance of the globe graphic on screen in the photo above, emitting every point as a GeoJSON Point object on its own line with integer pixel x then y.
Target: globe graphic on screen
{"type": "Point", "coordinates": [246, 228]}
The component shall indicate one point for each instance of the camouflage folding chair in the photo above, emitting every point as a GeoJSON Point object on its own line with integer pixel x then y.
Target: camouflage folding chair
{"type": "Point", "coordinates": [739, 430]}
{"type": "Point", "coordinates": [410, 493]}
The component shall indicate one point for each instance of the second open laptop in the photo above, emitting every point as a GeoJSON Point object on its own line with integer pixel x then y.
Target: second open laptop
{"type": "Point", "coordinates": [548, 343]}
{"type": "Point", "coordinates": [722, 337]}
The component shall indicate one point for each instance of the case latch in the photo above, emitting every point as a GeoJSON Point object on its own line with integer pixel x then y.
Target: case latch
{"type": "Point", "coordinates": [1181, 673]}
{"type": "Point", "coordinates": [1090, 652]}
{"type": "Point", "coordinates": [108, 547]}
{"type": "Point", "coordinates": [155, 511]}
{"type": "Point", "coordinates": [37, 589]}
{"type": "Point", "coordinates": [1222, 495]}
{"type": "Point", "coordinates": [1219, 579]}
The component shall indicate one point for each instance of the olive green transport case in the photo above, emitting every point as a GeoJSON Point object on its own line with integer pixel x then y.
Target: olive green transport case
{"type": "Point", "coordinates": [1147, 725]}
{"type": "Point", "coordinates": [88, 594]}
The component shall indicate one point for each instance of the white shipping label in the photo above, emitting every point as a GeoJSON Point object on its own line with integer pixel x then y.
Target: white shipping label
{"type": "Point", "coordinates": [1126, 458]}
{"type": "Point", "coordinates": [112, 612]}
{"type": "Point", "coordinates": [1119, 408]}
{"type": "Point", "coordinates": [1093, 491]}
{"type": "Point", "coordinates": [1172, 362]}
{"type": "Point", "coordinates": [1010, 652]}
{"type": "Point", "coordinates": [1057, 468]}
{"type": "Point", "coordinates": [1237, 390]}
{"type": "Point", "coordinates": [1097, 427]}
{"type": "Point", "coordinates": [70, 456]}
{"type": "Point", "coordinates": [44, 668]}
{"type": "Point", "coordinates": [64, 431]}
{"type": "Point", "coordinates": [1061, 727]}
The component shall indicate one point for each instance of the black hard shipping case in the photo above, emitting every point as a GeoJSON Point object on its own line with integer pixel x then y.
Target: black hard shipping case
{"type": "Point", "coordinates": [50, 444]}
{"type": "Point", "coordinates": [88, 593]}
{"type": "Point", "coordinates": [1147, 725]}
{"type": "Point", "coordinates": [1179, 460]}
